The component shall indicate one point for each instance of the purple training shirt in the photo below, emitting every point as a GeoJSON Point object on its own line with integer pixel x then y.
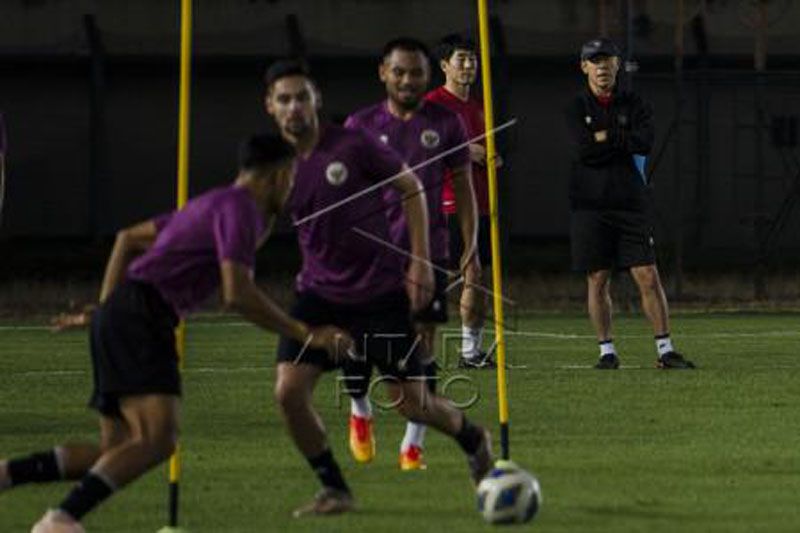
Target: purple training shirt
{"type": "Point", "coordinates": [433, 129]}
{"type": "Point", "coordinates": [340, 264]}
{"type": "Point", "coordinates": [183, 263]}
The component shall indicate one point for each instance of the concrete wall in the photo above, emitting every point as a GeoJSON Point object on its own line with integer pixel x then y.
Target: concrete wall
{"type": "Point", "coordinates": [47, 114]}
{"type": "Point", "coordinates": [45, 99]}
{"type": "Point", "coordinates": [359, 27]}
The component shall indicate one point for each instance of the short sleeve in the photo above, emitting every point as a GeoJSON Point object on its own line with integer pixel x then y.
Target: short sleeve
{"type": "Point", "coordinates": [457, 136]}
{"type": "Point", "coordinates": [379, 160]}
{"type": "Point", "coordinates": [237, 227]}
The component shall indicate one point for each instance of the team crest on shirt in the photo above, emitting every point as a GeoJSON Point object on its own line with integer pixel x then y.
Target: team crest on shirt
{"type": "Point", "coordinates": [430, 139]}
{"type": "Point", "coordinates": [384, 138]}
{"type": "Point", "coordinates": [588, 119]}
{"type": "Point", "coordinates": [336, 173]}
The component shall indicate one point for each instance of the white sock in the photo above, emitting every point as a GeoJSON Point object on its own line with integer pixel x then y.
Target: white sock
{"type": "Point", "coordinates": [607, 347]}
{"type": "Point", "coordinates": [415, 436]}
{"type": "Point", "coordinates": [471, 340]}
{"type": "Point", "coordinates": [664, 344]}
{"type": "Point", "coordinates": [361, 407]}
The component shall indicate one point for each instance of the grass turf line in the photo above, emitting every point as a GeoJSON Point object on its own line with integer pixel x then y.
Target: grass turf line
{"type": "Point", "coordinates": [632, 450]}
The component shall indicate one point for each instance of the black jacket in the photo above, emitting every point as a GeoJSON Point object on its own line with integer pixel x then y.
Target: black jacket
{"type": "Point", "coordinates": [604, 174]}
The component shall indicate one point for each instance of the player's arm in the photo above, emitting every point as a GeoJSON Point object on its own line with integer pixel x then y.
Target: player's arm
{"type": "Point", "coordinates": [638, 136]}
{"type": "Point", "coordinates": [478, 155]}
{"type": "Point", "coordinates": [277, 204]}
{"type": "Point", "coordinates": [130, 242]}
{"type": "Point", "coordinates": [590, 140]}
{"type": "Point", "coordinates": [241, 295]}
{"type": "Point", "coordinates": [269, 224]}
{"type": "Point", "coordinates": [467, 213]}
{"type": "Point", "coordinates": [415, 207]}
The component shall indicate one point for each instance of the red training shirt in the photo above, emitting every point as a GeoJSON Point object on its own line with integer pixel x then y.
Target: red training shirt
{"type": "Point", "coordinates": [471, 113]}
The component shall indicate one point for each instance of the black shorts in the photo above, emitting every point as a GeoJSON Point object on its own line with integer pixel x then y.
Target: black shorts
{"type": "Point", "coordinates": [132, 343]}
{"type": "Point", "coordinates": [381, 329]}
{"type": "Point", "coordinates": [436, 311]}
{"type": "Point", "coordinates": [457, 243]}
{"type": "Point", "coordinates": [604, 240]}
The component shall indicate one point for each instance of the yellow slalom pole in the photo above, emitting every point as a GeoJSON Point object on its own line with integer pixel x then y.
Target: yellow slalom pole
{"type": "Point", "coordinates": [182, 198]}
{"type": "Point", "coordinates": [183, 102]}
{"type": "Point", "coordinates": [497, 282]}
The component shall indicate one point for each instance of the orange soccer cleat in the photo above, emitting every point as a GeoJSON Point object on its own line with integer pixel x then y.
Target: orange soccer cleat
{"type": "Point", "coordinates": [411, 459]}
{"type": "Point", "coordinates": [362, 441]}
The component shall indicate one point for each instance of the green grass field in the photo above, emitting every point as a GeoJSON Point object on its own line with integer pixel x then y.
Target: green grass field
{"type": "Point", "coordinates": [633, 450]}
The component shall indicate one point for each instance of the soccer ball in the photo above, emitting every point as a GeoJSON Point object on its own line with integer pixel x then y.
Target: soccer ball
{"type": "Point", "coordinates": [508, 495]}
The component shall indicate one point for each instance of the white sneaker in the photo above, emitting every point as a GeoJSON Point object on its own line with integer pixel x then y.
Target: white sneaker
{"type": "Point", "coordinates": [57, 521]}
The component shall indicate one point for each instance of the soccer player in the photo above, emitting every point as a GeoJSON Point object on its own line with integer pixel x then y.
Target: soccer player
{"type": "Point", "coordinates": [353, 276]}
{"type": "Point", "coordinates": [418, 130]}
{"type": "Point", "coordinates": [612, 219]}
{"type": "Point", "coordinates": [160, 270]}
{"type": "Point", "coordinates": [459, 63]}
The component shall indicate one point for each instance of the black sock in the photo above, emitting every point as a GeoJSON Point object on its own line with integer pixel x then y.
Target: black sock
{"type": "Point", "coordinates": [357, 379]}
{"type": "Point", "coordinates": [37, 468]}
{"type": "Point", "coordinates": [469, 437]}
{"type": "Point", "coordinates": [327, 470]}
{"type": "Point", "coordinates": [357, 387]}
{"type": "Point", "coordinates": [88, 494]}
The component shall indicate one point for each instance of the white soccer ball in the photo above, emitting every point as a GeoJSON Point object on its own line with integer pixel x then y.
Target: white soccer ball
{"type": "Point", "coordinates": [508, 495]}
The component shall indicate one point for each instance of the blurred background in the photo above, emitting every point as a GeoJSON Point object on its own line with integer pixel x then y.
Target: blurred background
{"type": "Point", "coordinates": [89, 92]}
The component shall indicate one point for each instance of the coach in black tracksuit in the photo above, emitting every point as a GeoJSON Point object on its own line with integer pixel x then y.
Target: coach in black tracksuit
{"type": "Point", "coordinates": [612, 223]}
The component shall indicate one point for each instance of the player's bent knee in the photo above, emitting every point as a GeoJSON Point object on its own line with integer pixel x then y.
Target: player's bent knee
{"type": "Point", "coordinates": [163, 445]}
{"type": "Point", "coordinates": [289, 396]}
{"type": "Point", "coordinates": [282, 394]}
{"type": "Point", "coordinates": [598, 279]}
{"type": "Point", "coordinates": [646, 278]}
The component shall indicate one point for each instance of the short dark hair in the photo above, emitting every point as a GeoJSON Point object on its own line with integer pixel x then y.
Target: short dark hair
{"type": "Point", "coordinates": [407, 44]}
{"type": "Point", "coordinates": [284, 68]}
{"type": "Point", "coordinates": [452, 42]}
{"type": "Point", "coordinates": [263, 150]}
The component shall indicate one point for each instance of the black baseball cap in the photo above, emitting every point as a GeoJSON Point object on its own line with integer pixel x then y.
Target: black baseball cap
{"type": "Point", "coordinates": [602, 46]}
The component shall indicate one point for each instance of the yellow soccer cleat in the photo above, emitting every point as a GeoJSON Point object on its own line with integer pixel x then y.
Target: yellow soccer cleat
{"type": "Point", "coordinates": [411, 459]}
{"type": "Point", "coordinates": [362, 441]}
